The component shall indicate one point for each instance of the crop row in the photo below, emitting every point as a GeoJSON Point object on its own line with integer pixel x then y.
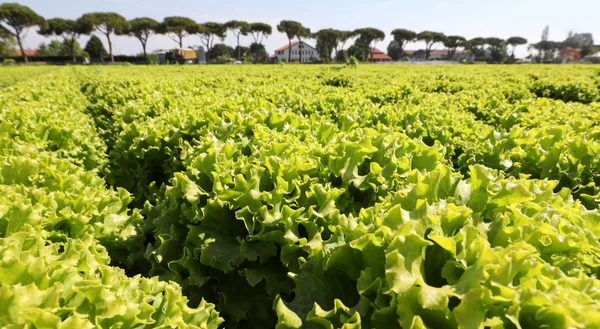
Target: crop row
{"type": "Point", "coordinates": [357, 198]}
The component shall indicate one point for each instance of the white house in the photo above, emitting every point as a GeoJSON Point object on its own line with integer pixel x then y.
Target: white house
{"type": "Point", "coordinates": [304, 50]}
{"type": "Point", "coordinates": [594, 58]}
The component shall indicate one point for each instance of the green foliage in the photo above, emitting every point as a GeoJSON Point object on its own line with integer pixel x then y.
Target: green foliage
{"type": "Point", "coordinates": [453, 42]}
{"type": "Point", "coordinates": [578, 40]}
{"type": "Point", "coordinates": [367, 39]}
{"type": "Point", "coordinates": [97, 295]}
{"type": "Point", "coordinates": [259, 31]}
{"type": "Point", "coordinates": [208, 33]}
{"type": "Point", "coordinates": [95, 48]}
{"type": "Point", "coordinates": [107, 23]}
{"type": "Point", "coordinates": [430, 38]}
{"type": "Point", "coordinates": [62, 231]}
{"type": "Point", "coordinates": [7, 44]}
{"type": "Point", "coordinates": [300, 197]}
{"type": "Point", "coordinates": [260, 52]}
{"type": "Point", "coordinates": [221, 53]}
{"type": "Point", "coordinates": [177, 27]}
{"type": "Point", "coordinates": [9, 62]}
{"type": "Point", "coordinates": [291, 29]}
{"type": "Point", "coordinates": [516, 41]}
{"type": "Point", "coordinates": [327, 41]}
{"type": "Point", "coordinates": [401, 38]}
{"type": "Point", "coordinates": [142, 29]}
{"type": "Point", "coordinates": [395, 51]}
{"type": "Point", "coordinates": [66, 28]}
{"type": "Point", "coordinates": [16, 18]}
{"type": "Point", "coordinates": [565, 90]}
{"type": "Point", "coordinates": [54, 48]}
{"type": "Point", "coordinates": [497, 48]}
{"type": "Point", "coordinates": [358, 51]}
{"type": "Point", "coordinates": [238, 28]}
{"type": "Point", "coordinates": [143, 26]}
{"type": "Point", "coordinates": [547, 49]}
{"type": "Point", "coordinates": [69, 31]}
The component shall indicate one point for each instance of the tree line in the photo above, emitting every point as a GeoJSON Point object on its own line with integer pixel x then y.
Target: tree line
{"type": "Point", "coordinates": [15, 19]}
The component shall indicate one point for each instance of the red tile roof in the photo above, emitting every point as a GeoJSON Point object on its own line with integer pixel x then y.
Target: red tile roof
{"type": "Point", "coordinates": [378, 55]}
{"type": "Point", "coordinates": [28, 52]}
{"type": "Point", "coordinates": [571, 52]}
{"type": "Point", "coordinates": [287, 46]}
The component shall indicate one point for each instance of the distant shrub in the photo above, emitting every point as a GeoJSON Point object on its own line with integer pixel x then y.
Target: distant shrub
{"type": "Point", "coordinates": [9, 62]}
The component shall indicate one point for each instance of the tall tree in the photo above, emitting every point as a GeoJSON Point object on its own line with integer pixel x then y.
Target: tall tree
{"type": "Point", "coordinates": [343, 37]}
{"type": "Point", "coordinates": [546, 33]}
{"type": "Point", "coordinates": [514, 42]}
{"type": "Point", "coordinates": [238, 29]}
{"type": "Point", "coordinates": [221, 52]}
{"type": "Point", "coordinates": [53, 48]}
{"type": "Point", "coordinates": [260, 52]}
{"type": "Point", "coordinates": [430, 38]}
{"type": "Point", "coordinates": [304, 32]}
{"type": "Point", "coordinates": [107, 24]}
{"type": "Point", "coordinates": [547, 49]}
{"type": "Point", "coordinates": [453, 42]}
{"type": "Point", "coordinates": [69, 30]}
{"type": "Point", "coordinates": [142, 28]}
{"type": "Point", "coordinates": [369, 37]}
{"type": "Point", "coordinates": [327, 40]}
{"type": "Point", "coordinates": [476, 45]}
{"type": "Point", "coordinates": [16, 19]}
{"type": "Point", "coordinates": [402, 37]}
{"type": "Point", "coordinates": [578, 40]}
{"type": "Point", "coordinates": [394, 50]}
{"type": "Point", "coordinates": [291, 30]}
{"type": "Point", "coordinates": [245, 51]}
{"type": "Point", "coordinates": [177, 28]}
{"type": "Point", "coordinates": [208, 32]}
{"type": "Point", "coordinates": [259, 31]}
{"type": "Point", "coordinates": [95, 48]}
{"type": "Point", "coordinates": [497, 49]}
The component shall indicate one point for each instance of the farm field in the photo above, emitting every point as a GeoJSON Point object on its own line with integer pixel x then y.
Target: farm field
{"type": "Point", "coordinates": [291, 196]}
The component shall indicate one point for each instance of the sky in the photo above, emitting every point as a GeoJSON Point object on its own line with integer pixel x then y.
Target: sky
{"type": "Point", "coordinates": [469, 18]}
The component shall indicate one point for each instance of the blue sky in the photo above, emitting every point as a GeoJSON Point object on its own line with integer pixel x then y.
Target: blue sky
{"type": "Point", "coordinates": [470, 18]}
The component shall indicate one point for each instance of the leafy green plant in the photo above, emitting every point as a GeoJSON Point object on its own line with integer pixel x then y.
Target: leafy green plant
{"type": "Point", "coordinates": [9, 62]}
{"type": "Point", "coordinates": [214, 196]}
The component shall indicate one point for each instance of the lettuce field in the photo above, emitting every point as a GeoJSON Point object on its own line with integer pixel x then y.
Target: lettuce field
{"type": "Point", "coordinates": [300, 197]}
